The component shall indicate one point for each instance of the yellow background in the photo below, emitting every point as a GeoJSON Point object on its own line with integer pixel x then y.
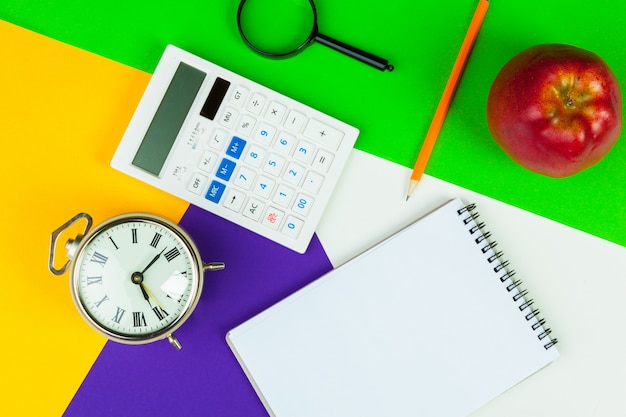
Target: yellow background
{"type": "Point", "coordinates": [62, 113]}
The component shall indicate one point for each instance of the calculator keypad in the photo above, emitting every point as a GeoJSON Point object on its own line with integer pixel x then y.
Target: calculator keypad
{"type": "Point", "coordinates": [243, 151]}
{"type": "Point", "coordinates": [270, 166]}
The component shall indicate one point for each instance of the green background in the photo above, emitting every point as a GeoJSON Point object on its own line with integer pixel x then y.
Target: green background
{"type": "Point", "coordinates": [392, 110]}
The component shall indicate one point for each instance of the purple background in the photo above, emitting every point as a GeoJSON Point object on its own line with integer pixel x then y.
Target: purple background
{"type": "Point", "coordinates": [204, 378]}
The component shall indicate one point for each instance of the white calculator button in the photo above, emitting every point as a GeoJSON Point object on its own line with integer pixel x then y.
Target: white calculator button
{"type": "Point", "coordinates": [303, 204]}
{"type": "Point", "coordinates": [246, 125]}
{"type": "Point", "coordinates": [275, 112]}
{"type": "Point", "coordinates": [313, 182]}
{"type": "Point", "coordinates": [324, 134]}
{"type": "Point", "coordinates": [253, 209]}
{"type": "Point", "coordinates": [229, 117]}
{"type": "Point", "coordinates": [256, 103]}
{"type": "Point", "coordinates": [323, 160]}
{"type": "Point", "coordinates": [295, 121]}
{"type": "Point", "coordinates": [273, 218]}
{"type": "Point", "coordinates": [208, 162]}
{"type": "Point", "coordinates": [294, 173]}
{"type": "Point", "coordinates": [245, 178]}
{"type": "Point", "coordinates": [218, 139]}
{"type": "Point", "coordinates": [284, 143]}
{"type": "Point", "coordinates": [264, 134]}
{"type": "Point", "coordinates": [292, 227]}
{"type": "Point", "coordinates": [239, 96]}
{"type": "Point", "coordinates": [283, 195]}
{"type": "Point", "coordinates": [263, 187]}
{"type": "Point", "coordinates": [304, 151]}
{"type": "Point", "coordinates": [274, 165]}
{"type": "Point", "coordinates": [255, 156]}
{"type": "Point", "coordinates": [234, 200]}
{"type": "Point", "coordinates": [197, 183]}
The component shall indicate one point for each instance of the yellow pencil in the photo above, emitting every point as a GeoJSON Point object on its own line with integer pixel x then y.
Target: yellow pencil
{"type": "Point", "coordinates": [446, 97]}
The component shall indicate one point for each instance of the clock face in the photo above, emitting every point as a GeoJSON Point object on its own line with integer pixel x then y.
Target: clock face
{"type": "Point", "coordinates": [136, 279]}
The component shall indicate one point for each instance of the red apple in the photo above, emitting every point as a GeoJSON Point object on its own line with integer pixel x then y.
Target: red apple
{"type": "Point", "coordinates": [555, 109]}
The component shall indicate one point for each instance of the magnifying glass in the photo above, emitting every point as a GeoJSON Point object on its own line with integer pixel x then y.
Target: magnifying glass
{"type": "Point", "coordinates": [282, 28]}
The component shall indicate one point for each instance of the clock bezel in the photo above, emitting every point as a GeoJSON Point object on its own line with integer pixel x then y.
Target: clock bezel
{"type": "Point", "coordinates": [194, 296]}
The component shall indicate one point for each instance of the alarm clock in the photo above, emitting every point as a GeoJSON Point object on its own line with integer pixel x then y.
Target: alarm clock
{"type": "Point", "coordinates": [134, 278]}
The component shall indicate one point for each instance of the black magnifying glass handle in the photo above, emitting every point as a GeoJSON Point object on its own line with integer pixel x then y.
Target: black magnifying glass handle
{"type": "Point", "coordinates": [365, 57]}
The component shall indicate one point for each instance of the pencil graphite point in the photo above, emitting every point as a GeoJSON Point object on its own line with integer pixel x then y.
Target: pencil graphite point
{"type": "Point", "coordinates": [412, 187]}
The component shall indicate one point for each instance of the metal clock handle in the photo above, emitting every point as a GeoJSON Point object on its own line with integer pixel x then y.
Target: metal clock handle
{"type": "Point", "coordinates": [70, 245]}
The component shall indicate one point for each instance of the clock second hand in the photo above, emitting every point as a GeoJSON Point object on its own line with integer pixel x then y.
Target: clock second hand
{"type": "Point", "coordinates": [137, 278]}
{"type": "Point", "coordinates": [147, 294]}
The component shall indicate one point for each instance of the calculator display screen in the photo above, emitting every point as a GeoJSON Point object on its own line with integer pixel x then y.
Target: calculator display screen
{"type": "Point", "coordinates": [168, 119]}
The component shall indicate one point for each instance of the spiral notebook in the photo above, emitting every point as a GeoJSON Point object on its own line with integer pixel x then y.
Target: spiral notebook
{"type": "Point", "coordinates": [431, 322]}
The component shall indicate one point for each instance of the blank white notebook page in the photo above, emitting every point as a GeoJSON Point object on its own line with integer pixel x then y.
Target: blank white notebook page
{"type": "Point", "coordinates": [420, 325]}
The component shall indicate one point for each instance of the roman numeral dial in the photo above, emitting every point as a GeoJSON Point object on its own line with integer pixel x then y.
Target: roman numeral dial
{"type": "Point", "coordinates": [137, 278]}
{"type": "Point", "coordinates": [171, 254]}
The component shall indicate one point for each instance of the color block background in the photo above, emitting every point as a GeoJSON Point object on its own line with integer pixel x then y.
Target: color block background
{"type": "Point", "coordinates": [392, 110]}
{"type": "Point", "coordinates": [58, 143]}
{"type": "Point", "coordinates": [63, 110]}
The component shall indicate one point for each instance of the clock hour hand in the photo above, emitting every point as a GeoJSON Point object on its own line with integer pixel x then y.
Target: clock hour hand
{"type": "Point", "coordinates": [158, 255]}
{"type": "Point", "coordinates": [146, 296]}
{"type": "Point", "coordinates": [137, 279]}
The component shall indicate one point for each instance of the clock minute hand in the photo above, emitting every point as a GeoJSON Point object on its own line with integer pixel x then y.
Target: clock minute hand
{"type": "Point", "coordinates": [158, 255]}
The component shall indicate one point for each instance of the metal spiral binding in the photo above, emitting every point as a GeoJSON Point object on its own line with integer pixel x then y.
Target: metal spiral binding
{"type": "Point", "coordinates": [504, 275]}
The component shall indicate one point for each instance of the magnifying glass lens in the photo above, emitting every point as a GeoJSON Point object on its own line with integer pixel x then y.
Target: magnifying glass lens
{"type": "Point", "coordinates": [277, 27]}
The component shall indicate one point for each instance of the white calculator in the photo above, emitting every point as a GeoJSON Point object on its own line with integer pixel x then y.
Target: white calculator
{"type": "Point", "coordinates": [235, 148]}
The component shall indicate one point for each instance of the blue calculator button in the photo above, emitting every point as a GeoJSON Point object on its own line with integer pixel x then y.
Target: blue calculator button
{"type": "Point", "coordinates": [235, 148]}
{"type": "Point", "coordinates": [216, 189]}
{"type": "Point", "coordinates": [226, 169]}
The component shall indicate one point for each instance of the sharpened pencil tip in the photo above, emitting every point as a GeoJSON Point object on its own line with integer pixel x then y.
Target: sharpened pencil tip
{"type": "Point", "coordinates": [412, 186]}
